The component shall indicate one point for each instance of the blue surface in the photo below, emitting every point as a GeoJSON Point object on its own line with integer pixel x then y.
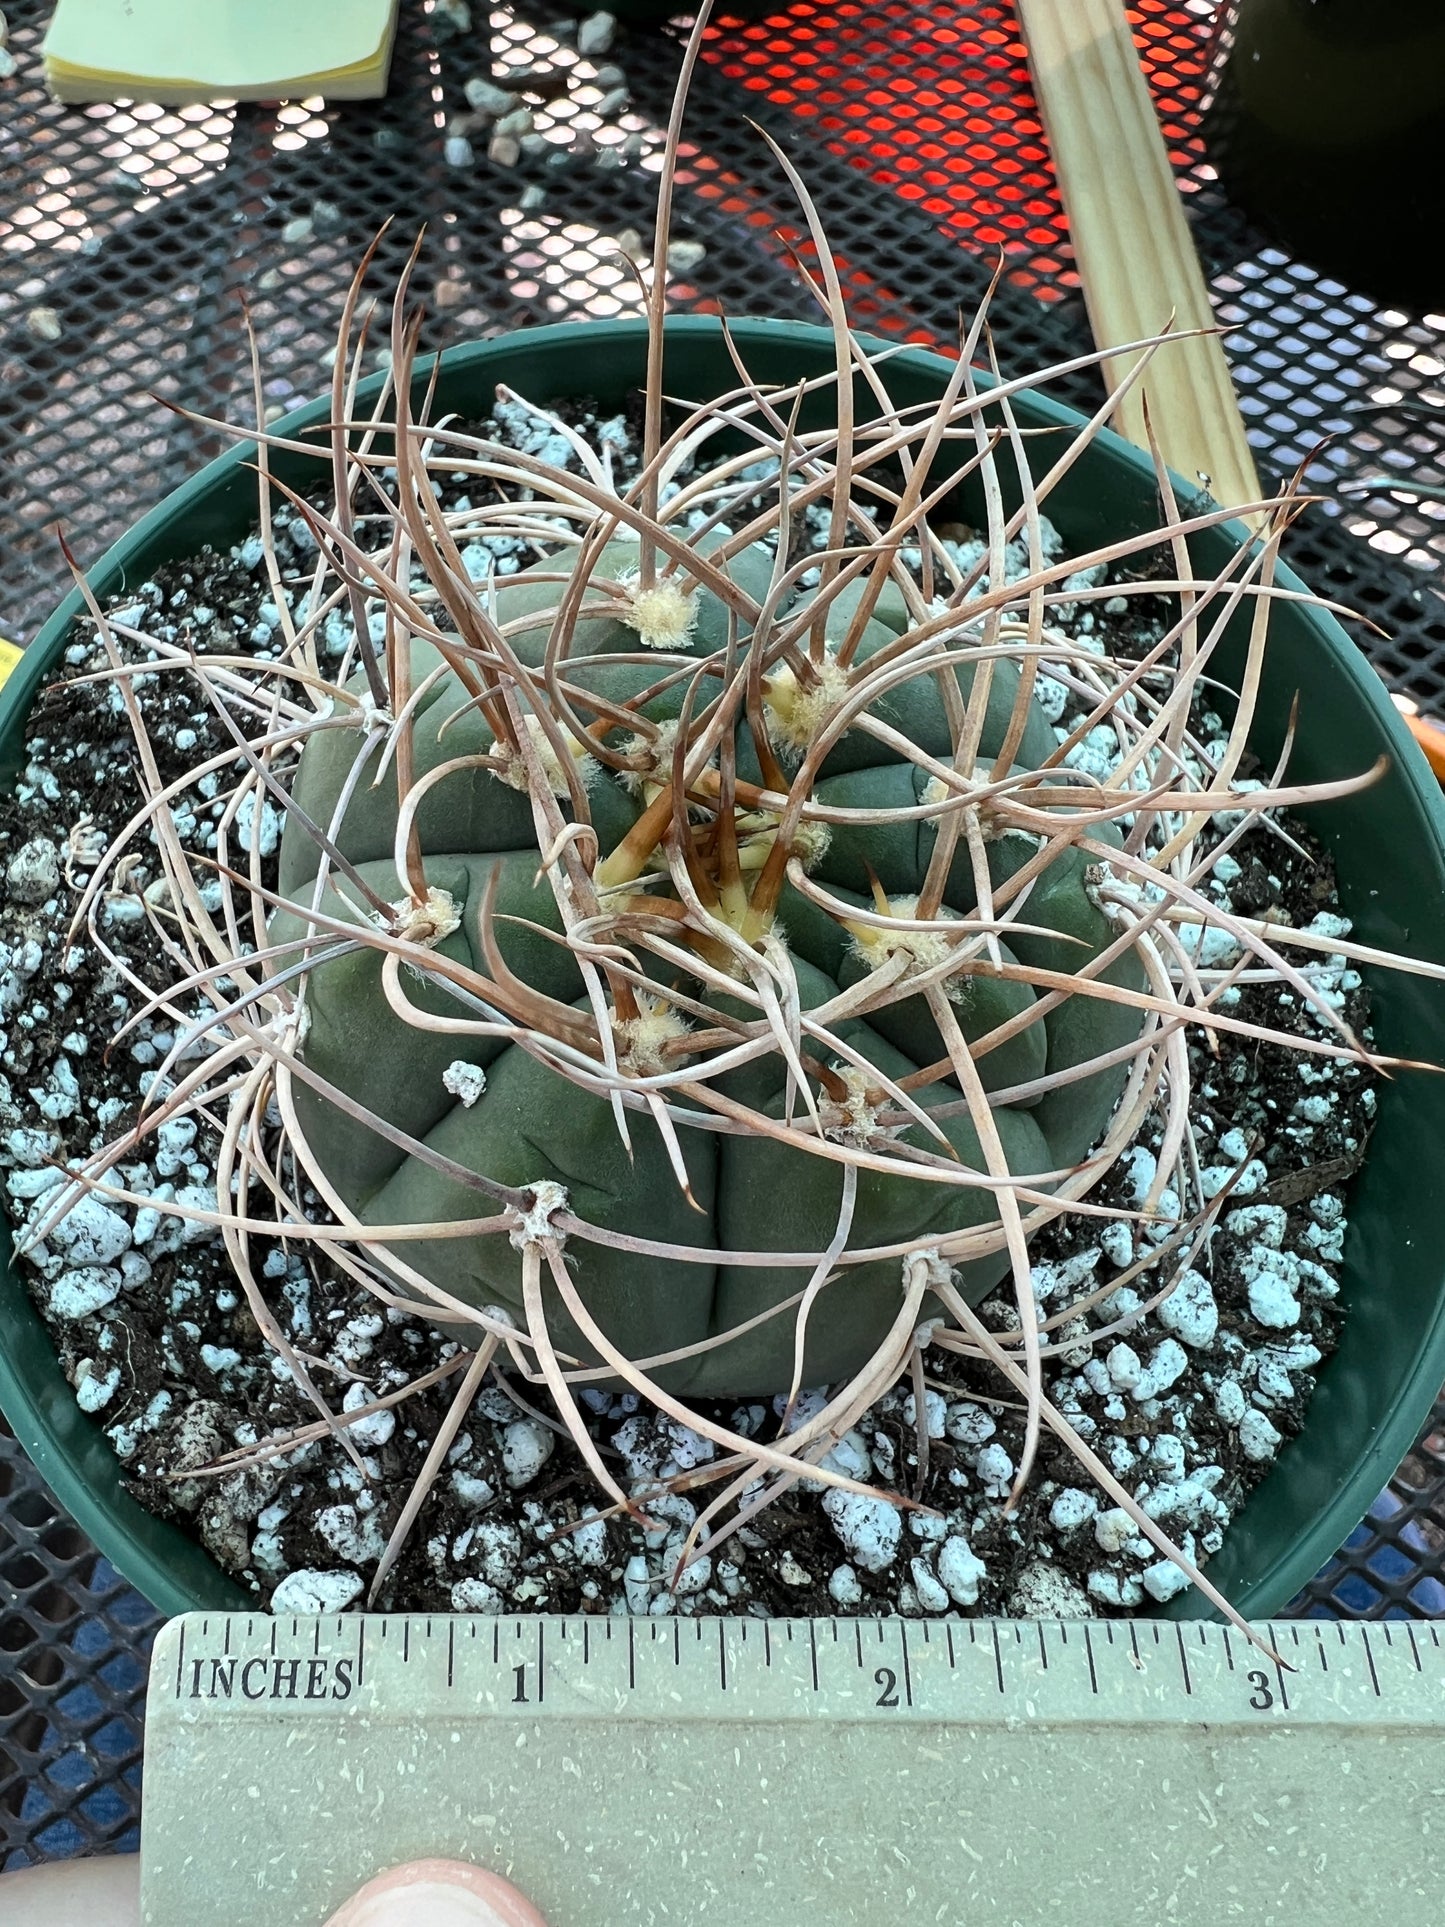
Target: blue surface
{"type": "Point", "coordinates": [100, 1761]}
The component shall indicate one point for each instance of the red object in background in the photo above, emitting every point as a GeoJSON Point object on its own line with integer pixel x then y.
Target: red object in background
{"type": "Point", "coordinates": [968, 149]}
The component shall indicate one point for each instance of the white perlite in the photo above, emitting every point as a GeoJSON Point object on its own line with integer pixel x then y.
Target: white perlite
{"type": "Point", "coordinates": [960, 1570]}
{"type": "Point", "coordinates": [844, 1587]}
{"type": "Point", "coordinates": [377, 1427]}
{"type": "Point", "coordinates": [465, 1082]}
{"type": "Point", "coordinates": [869, 1528]}
{"type": "Point", "coordinates": [90, 1233]}
{"type": "Point", "coordinates": [1190, 1312]}
{"type": "Point", "coordinates": [1258, 1438]}
{"type": "Point", "coordinates": [33, 873]}
{"type": "Point", "coordinates": [311, 1591]}
{"type": "Point", "coordinates": [526, 1448]}
{"type": "Point", "coordinates": [87, 1288]}
{"type": "Point", "coordinates": [1041, 1591]}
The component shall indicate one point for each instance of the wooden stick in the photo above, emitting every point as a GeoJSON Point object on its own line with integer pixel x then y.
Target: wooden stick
{"type": "Point", "coordinates": [1135, 253]}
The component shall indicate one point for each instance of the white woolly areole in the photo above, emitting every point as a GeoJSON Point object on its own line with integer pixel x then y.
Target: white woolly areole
{"type": "Point", "coordinates": [663, 616]}
{"type": "Point", "coordinates": [925, 949]}
{"type": "Point", "coordinates": [655, 752]}
{"type": "Point", "coordinates": [427, 923]}
{"type": "Point", "coordinates": [936, 1268]}
{"type": "Point", "coordinates": [810, 842]}
{"type": "Point", "coordinates": [797, 711]}
{"type": "Point", "coordinates": [535, 1227]}
{"type": "Point", "coordinates": [465, 1082]}
{"type": "Point", "coordinates": [643, 1037]}
{"type": "Point", "coordinates": [856, 1119]}
{"type": "Point", "coordinates": [514, 771]}
{"type": "Point", "coordinates": [288, 1028]}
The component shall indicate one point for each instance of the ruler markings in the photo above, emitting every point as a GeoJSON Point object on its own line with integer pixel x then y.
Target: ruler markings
{"type": "Point", "coordinates": [231, 1714]}
{"type": "Point", "coordinates": [1276, 1642]}
{"type": "Point", "coordinates": [783, 1674]}
{"type": "Point", "coordinates": [773, 1663]}
{"type": "Point", "coordinates": [1370, 1658]}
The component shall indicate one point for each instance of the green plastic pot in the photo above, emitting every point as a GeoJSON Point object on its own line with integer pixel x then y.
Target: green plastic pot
{"type": "Point", "coordinates": [1388, 845]}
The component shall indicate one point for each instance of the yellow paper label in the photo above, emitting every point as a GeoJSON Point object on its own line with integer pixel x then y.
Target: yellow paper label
{"type": "Point", "coordinates": [225, 47]}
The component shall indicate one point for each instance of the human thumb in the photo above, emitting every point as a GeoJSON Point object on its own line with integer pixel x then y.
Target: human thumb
{"type": "Point", "coordinates": [437, 1893]}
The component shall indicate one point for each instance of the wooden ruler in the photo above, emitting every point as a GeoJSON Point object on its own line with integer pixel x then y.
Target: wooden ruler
{"type": "Point", "coordinates": [831, 1771]}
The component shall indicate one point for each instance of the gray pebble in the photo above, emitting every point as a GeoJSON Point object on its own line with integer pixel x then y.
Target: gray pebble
{"type": "Point", "coordinates": [485, 97]}
{"type": "Point", "coordinates": [595, 35]}
{"type": "Point", "coordinates": [33, 873]}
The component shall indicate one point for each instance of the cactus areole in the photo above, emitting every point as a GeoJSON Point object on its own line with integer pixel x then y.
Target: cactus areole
{"type": "Point", "coordinates": [732, 899]}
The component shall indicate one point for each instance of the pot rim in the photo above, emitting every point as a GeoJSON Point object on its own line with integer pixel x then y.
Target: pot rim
{"type": "Point", "coordinates": [70, 1449]}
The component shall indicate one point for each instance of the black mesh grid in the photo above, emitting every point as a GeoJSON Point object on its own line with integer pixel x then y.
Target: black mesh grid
{"type": "Point", "coordinates": [129, 238]}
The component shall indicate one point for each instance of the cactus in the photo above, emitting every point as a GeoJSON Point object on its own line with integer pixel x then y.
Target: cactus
{"type": "Point", "coordinates": [869, 905]}
{"type": "Point", "coordinates": [694, 962]}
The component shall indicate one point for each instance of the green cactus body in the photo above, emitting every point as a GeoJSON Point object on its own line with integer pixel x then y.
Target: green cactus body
{"type": "Point", "coordinates": [751, 1194]}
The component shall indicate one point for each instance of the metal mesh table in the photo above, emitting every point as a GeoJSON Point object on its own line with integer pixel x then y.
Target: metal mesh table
{"type": "Point", "coordinates": [132, 240]}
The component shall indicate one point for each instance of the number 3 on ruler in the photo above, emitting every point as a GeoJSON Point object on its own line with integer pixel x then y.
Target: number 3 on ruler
{"type": "Point", "coordinates": [1262, 1698]}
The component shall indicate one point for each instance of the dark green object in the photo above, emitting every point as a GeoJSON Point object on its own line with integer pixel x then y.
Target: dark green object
{"type": "Point", "coordinates": [1328, 126]}
{"type": "Point", "coordinates": [535, 1125]}
{"type": "Point", "coordinates": [1389, 849]}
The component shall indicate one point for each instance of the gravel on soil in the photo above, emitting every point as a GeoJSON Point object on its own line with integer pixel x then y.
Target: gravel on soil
{"type": "Point", "coordinates": [1188, 1403]}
